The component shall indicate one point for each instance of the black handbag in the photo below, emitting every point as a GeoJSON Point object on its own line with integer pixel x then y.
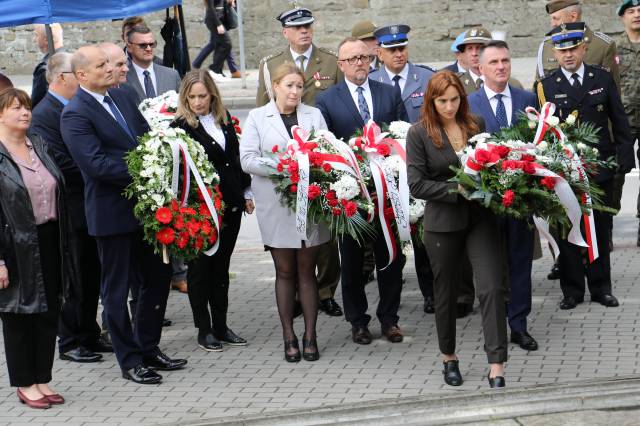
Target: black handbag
{"type": "Point", "coordinates": [230, 16]}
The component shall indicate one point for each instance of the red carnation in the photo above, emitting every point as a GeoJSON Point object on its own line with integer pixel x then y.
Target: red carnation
{"type": "Point", "coordinates": [528, 167]}
{"type": "Point", "coordinates": [183, 240]}
{"type": "Point", "coordinates": [237, 129]}
{"type": "Point", "coordinates": [508, 197]}
{"type": "Point", "coordinates": [331, 195]}
{"type": "Point", "coordinates": [332, 202]}
{"type": "Point", "coordinates": [293, 167]}
{"type": "Point", "coordinates": [549, 182]}
{"type": "Point", "coordinates": [187, 210]}
{"type": "Point", "coordinates": [313, 192]}
{"type": "Point", "coordinates": [359, 157]}
{"type": "Point", "coordinates": [203, 210]}
{"type": "Point", "coordinates": [336, 212]}
{"type": "Point", "coordinates": [293, 188]}
{"type": "Point", "coordinates": [280, 168]}
{"type": "Point", "coordinates": [199, 243]}
{"type": "Point", "coordinates": [350, 208]}
{"type": "Point", "coordinates": [164, 215]}
{"type": "Point", "coordinates": [235, 120]}
{"type": "Point", "coordinates": [501, 150]}
{"type": "Point", "coordinates": [213, 236]}
{"type": "Point", "coordinates": [165, 236]}
{"type": "Point", "coordinates": [217, 203]}
{"type": "Point", "coordinates": [326, 167]}
{"type": "Point", "coordinates": [528, 157]}
{"type": "Point", "coordinates": [295, 177]}
{"type": "Point", "coordinates": [205, 227]}
{"type": "Point", "coordinates": [274, 149]}
{"type": "Point", "coordinates": [178, 222]}
{"type": "Point", "coordinates": [383, 150]}
{"type": "Point", "coordinates": [193, 227]}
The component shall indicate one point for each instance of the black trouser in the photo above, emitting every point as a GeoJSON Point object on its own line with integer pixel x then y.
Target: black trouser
{"type": "Point", "coordinates": [78, 326]}
{"type": "Point", "coordinates": [574, 260]}
{"type": "Point", "coordinates": [446, 252]}
{"type": "Point", "coordinates": [30, 339]}
{"type": "Point", "coordinates": [328, 265]}
{"type": "Point", "coordinates": [423, 268]}
{"type": "Point", "coordinates": [128, 260]}
{"type": "Point", "coordinates": [222, 49]}
{"type": "Point", "coordinates": [519, 247]}
{"type": "Point", "coordinates": [208, 278]}
{"type": "Point", "coordinates": [389, 280]}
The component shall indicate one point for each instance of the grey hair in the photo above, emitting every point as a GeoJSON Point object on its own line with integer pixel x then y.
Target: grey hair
{"type": "Point", "coordinates": [58, 63]}
{"type": "Point", "coordinates": [495, 44]}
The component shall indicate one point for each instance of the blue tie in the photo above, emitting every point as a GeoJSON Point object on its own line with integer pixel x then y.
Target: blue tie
{"type": "Point", "coordinates": [396, 84]}
{"type": "Point", "coordinates": [501, 112]}
{"type": "Point", "coordinates": [148, 85]}
{"type": "Point", "coordinates": [362, 105]}
{"type": "Point", "coordinates": [119, 118]}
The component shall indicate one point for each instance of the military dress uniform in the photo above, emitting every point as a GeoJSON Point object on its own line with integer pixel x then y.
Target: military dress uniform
{"type": "Point", "coordinates": [597, 101]}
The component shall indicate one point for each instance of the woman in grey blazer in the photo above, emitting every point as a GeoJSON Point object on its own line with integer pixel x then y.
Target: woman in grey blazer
{"type": "Point", "coordinates": [294, 258]}
{"type": "Point", "coordinates": [453, 224]}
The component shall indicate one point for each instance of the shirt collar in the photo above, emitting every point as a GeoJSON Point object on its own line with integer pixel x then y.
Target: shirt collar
{"type": "Point", "coordinates": [354, 87]}
{"type": "Point", "coordinates": [473, 75]}
{"type": "Point", "coordinates": [580, 73]}
{"type": "Point", "coordinates": [64, 101]}
{"type": "Point", "coordinates": [306, 54]}
{"type": "Point", "coordinates": [460, 68]}
{"type": "Point", "coordinates": [404, 73]}
{"type": "Point", "coordinates": [140, 70]}
{"type": "Point", "coordinates": [491, 94]}
{"type": "Point", "coordinates": [98, 97]}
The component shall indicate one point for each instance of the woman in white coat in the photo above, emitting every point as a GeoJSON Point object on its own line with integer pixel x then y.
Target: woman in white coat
{"type": "Point", "coordinates": [294, 257]}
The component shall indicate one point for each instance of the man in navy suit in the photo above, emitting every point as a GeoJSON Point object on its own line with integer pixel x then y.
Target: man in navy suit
{"type": "Point", "coordinates": [346, 107]}
{"type": "Point", "coordinates": [79, 332]}
{"type": "Point", "coordinates": [499, 104]}
{"type": "Point", "coordinates": [99, 126]}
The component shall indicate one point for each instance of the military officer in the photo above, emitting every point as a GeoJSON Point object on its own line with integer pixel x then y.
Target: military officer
{"type": "Point", "coordinates": [628, 44]}
{"type": "Point", "coordinates": [363, 30]}
{"type": "Point", "coordinates": [601, 51]}
{"type": "Point", "coordinates": [470, 48]}
{"type": "Point", "coordinates": [321, 71]}
{"type": "Point", "coordinates": [590, 90]}
{"type": "Point", "coordinates": [409, 79]}
{"type": "Point", "coordinates": [319, 64]}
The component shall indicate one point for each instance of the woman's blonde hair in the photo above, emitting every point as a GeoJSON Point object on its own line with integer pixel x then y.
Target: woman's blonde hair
{"type": "Point", "coordinates": [216, 108]}
{"type": "Point", "coordinates": [283, 70]}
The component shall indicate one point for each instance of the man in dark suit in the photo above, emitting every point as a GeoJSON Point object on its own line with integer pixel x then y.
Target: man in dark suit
{"type": "Point", "coordinates": [346, 107]}
{"type": "Point", "coordinates": [499, 104]}
{"type": "Point", "coordinates": [592, 91]}
{"type": "Point", "coordinates": [79, 332]}
{"type": "Point", "coordinates": [99, 126]}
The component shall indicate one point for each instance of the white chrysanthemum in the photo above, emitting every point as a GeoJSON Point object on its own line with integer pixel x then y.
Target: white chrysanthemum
{"type": "Point", "coordinates": [399, 129]}
{"type": "Point", "coordinates": [416, 210]}
{"type": "Point", "coordinates": [571, 120]}
{"type": "Point", "coordinates": [346, 187]}
{"type": "Point", "coordinates": [480, 138]}
{"type": "Point", "coordinates": [542, 146]}
{"type": "Point", "coordinates": [514, 155]}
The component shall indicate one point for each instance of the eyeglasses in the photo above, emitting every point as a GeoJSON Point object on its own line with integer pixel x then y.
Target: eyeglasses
{"type": "Point", "coordinates": [145, 46]}
{"type": "Point", "coordinates": [365, 59]}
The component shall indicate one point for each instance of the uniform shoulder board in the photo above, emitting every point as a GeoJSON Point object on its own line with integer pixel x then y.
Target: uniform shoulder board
{"type": "Point", "coordinates": [270, 57]}
{"type": "Point", "coordinates": [550, 74]}
{"type": "Point", "coordinates": [599, 68]}
{"type": "Point", "coordinates": [329, 51]}
{"type": "Point", "coordinates": [603, 37]}
{"type": "Point", "coordinates": [427, 67]}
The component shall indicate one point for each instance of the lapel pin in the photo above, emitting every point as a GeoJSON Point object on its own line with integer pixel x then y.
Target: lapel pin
{"type": "Point", "coordinates": [558, 79]}
{"type": "Point", "coordinates": [590, 74]}
{"type": "Point", "coordinates": [317, 83]}
{"type": "Point", "coordinates": [466, 81]}
{"type": "Point", "coordinates": [415, 77]}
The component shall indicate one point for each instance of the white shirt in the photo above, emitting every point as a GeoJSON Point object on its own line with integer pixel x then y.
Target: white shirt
{"type": "Point", "coordinates": [140, 73]}
{"type": "Point", "coordinates": [506, 100]}
{"type": "Point", "coordinates": [100, 98]}
{"type": "Point", "coordinates": [211, 127]}
{"type": "Point", "coordinates": [296, 57]}
{"type": "Point", "coordinates": [475, 77]}
{"type": "Point", "coordinates": [580, 73]}
{"type": "Point", "coordinates": [403, 76]}
{"type": "Point", "coordinates": [353, 89]}
{"type": "Point", "coordinates": [460, 69]}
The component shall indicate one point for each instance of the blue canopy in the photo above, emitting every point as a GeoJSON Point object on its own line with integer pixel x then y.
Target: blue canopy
{"type": "Point", "coordinates": [22, 12]}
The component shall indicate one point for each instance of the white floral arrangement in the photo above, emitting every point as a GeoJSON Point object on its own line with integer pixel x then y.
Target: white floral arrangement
{"type": "Point", "coordinates": [161, 110]}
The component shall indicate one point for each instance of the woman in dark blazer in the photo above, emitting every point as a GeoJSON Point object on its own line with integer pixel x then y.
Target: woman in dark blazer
{"type": "Point", "coordinates": [204, 118]}
{"type": "Point", "coordinates": [36, 269]}
{"type": "Point", "coordinates": [453, 224]}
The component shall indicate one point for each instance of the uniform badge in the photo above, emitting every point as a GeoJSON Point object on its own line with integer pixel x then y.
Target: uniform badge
{"type": "Point", "coordinates": [591, 74]}
{"type": "Point", "coordinates": [417, 95]}
{"type": "Point", "coordinates": [317, 84]}
{"type": "Point", "coordinates": [596, 91]}
{"type": "Point", "coordinates": [558, 79]}
{"type": "Point", "coordinates": [560, 96]}
{"type": "Point", "coordinates": [393, 29]}
{"type": "Point", "coordinates": [473, 33]}
{"type": "Point", "coordinates": [466, 81]}
{"type": "Point", "coordinates": [317, 77]}
{"type": "Point", "coordinates": [600, 108]}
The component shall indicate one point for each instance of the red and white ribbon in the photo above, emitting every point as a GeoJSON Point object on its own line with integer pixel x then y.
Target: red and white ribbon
{"type": "Point", "coordinates": [299, 147]}
{"type": "Point", "coordinates": [546, 122]}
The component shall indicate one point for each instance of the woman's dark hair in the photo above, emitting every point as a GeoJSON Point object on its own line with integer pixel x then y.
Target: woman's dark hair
{"type": "Point", "coordinates": [9, 94]}
{"type": "Point", "coordinates": [430, 118]}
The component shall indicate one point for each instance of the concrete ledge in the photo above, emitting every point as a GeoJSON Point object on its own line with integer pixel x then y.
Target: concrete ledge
{"type": "Point", "coordinates": [615, 393]}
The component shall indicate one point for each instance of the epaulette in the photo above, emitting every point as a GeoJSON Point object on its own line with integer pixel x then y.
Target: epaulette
{"type": "Point", "coordinates": [600, 68]}
{"type": "Point", "coordinates": [270, 57]}
{"type": "Point", "coordinates": [603, 37]}
{"type": "Point", "coordinates": [550, 74]}
{"type": "Point", "coordinates": [329, 51]}
{"type": "Point", "coordinates": [427, 67]}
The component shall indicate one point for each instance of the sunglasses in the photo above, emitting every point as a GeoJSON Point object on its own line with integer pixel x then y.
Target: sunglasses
{"type": "Point", "coordinates": [145, 46]}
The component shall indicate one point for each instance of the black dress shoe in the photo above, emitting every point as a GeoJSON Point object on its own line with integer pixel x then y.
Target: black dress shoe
{"type": "Point", "coordinates": [162, 362]}
{"type": "Point", "coordinates": [310, 350]}
{"type": "Point", "coordinates": [100, 345]}
{"type": "Point", "coordinates": [463, 309]}
{"type": "Point", "coordinates": [361, 335]}
{"type": "Point", "coordinates": [496, 382]}
{"type": "Point", "coordinates": [292, 344]}
{"type": "Point", "coordinates": [330, 307]}
{"type": "Point", "coordinates": [142, 375]}
{"type": "Point", "coordinates": [232, 339]}
{"type": "Point", "coordinates": [605, 299]}
{"type": "Point", "coordinates": [451, 373]}
{"type": "Point", "coordinates": [81, 354]}
{"type": "Point", "coordinates": [570, 303]}
{"type": "Point", "coordinates": [166, 322]}
{"type": "Point", "coordinates": [524, 340]}
{"type": "Point", "coordinates": [554, 274]}
{"type": "Point", "coordinates": [209, 343]}
{"type": "Point", "coordinates": [429, 308]}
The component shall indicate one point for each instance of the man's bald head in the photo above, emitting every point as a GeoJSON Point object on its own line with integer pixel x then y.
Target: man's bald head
{"type": "Point", "coordinates": [118, 60]}
{"type": "Point", "coordinates": [92, 68]}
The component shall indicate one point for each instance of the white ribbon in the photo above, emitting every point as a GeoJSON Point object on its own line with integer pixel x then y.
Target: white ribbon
{"type": "Point", "coordinates": [377, 173]}
{"type": "Point", "coordinates": [302, 196]}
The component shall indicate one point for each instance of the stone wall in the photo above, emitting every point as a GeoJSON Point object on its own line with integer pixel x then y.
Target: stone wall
{"type": "Point", "coordinates": [434, 25]}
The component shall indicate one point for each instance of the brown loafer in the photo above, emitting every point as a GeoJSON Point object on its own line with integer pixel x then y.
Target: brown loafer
{"type": "Point", "coordinates": [361, 335]}
{"type": "Point", "coordinates": [181, 286]}
{"type": "Point", "coordinates": [393, 333]}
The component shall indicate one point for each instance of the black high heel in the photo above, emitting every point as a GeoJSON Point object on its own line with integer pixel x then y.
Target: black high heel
{"type": "Point", "coordinates": [291, 344]}
{"type": "Point", "coordinates": [309, 344]}
{"type": "Point", "coordinates": [496, 382]}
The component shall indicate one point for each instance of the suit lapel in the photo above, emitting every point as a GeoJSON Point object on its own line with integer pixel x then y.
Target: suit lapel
{"type": "Point", "coordinates": [486, 106]}
{"type": "Point", "coordinates": [305, 119]}
{"type": "Point", "coordinates": [588, 81]}
{"type": "Point", "coordinates": [565, 86]}
{"type": "Point", "coordinates": [412, 84]}
{"type": "Point", "coordinates": [275, 121]}
{"type": "Point", "coordinates": [347, 100]}
{"type": "Point", "coordinates": [376, 100]}
{"type": "Point", "coordinates": [204, 135]}
{"type": "Point", "coordinates": [102, 113]}
{"type": "Point", "coordinates": [132, 79]}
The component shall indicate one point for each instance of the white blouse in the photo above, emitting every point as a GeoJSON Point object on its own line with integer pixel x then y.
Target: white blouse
{"type": "Point", "coordinates": [213, 129]}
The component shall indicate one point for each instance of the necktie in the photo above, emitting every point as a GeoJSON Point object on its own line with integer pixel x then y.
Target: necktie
{"type": "Point", "coordinates": [119, 118]}
{"type": "Point", "coordinates": [501, 112]}
{"type": "Point", "coordinates": [148, 85]}
{"type": "Point", "coordinates": [396, 84]}
{"type": "Point", "coordinates": [362, 105]}
{"type": "Point", "coordinates": [479, 83]}
{"type": "Point", "coordinates": [576, 80]}
{"type": "Point", "coordinates": [301, 60]}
